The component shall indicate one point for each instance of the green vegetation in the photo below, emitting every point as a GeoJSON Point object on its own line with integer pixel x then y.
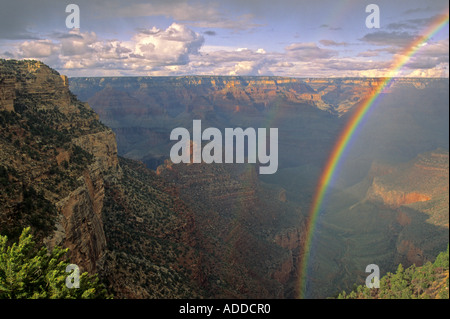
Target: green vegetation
{"type": "Point", "coordinates": [27, 272]}
{"type": "Point", "coordinates": [430, 281]}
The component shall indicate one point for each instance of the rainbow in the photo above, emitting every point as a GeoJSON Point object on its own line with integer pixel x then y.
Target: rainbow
{"type": "Point", "coordinates": [345, 138]}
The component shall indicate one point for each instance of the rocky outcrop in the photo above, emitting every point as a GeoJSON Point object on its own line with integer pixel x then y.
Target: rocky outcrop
{"type": "Point", "coordinates": [102, 146]}
{"type": "Point", "coordinates": [420, 180]}
{"type": "Point", "coordinates": [237, 223]}
{"type": "Point", "coordinates": [394, 198]}
{"type": "Point", "coordinates": [409, 254]}
{"type": "Point", "coordinates": [7, 94]}
{"type": "Point", "coordinates": [284, 273]}
{"type": "Point", "coordinates": [81, 226]}
{"type": "Point", "coordinates": [293, 240]}
{"type": "Point", "coordinates": [71, 174]}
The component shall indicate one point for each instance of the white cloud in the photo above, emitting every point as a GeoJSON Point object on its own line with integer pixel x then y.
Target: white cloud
{"type": "Point", "coordinates": [166, 47]}
{"type": "Point", "coordinates": [146, 51]}
{"type": "Point", "coordinates": [38, 49]}
{"type": "Point", "coordinates": [178, 50]}
{"type": "Point", "coordinates": [78, 43]}
{"type": "Point", "coordinates": [439, 71]}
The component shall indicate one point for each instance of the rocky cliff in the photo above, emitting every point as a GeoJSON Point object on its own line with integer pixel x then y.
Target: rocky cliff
{"type": "Point", "coordinates": [413, 184]}
{"type": "Point", "coordinates": [56, 147]}
{"type": "Point", "coordinates": [245, 228]}
{"type": "Point", "coordinates": [339, 95]}
{"type": "Point", "coordinates": [60, 174]}
{"type": "Point", "coordinates": [248, 94]}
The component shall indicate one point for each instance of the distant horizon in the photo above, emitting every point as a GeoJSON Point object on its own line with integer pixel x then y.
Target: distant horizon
{"type": "Point", "coordinates": [230, 76]}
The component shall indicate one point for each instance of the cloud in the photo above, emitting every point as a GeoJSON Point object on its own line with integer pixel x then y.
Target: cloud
{"type": "Point", "coordinates": [18, 17]}
{"type": "Point", "coordinates": [241, 61]}
{"type": "Point", "coordinates": [353, 64]}
{"type": "Point", "coordinates": [330, 28]}
{"type": "Point", "coordinates": [38, 49]}
{"type": "Point", "coordinates": [7, 55]}
{"type": "Point", "coordinates": [204, 15]}
{"type": "Point", "coordinates": [76, 43]}
{"type": "Point", "coordinates": [430, 55]}
{"type": "Point", "coordinates": [167, 47]}
{"type": "Point", "coordinates": [401, 26]}
{"type": "Point", "coordinates": [245, 68]}
{"type": "Point", "coordinates": [441, 71]}
{"type": "Point", "coordinates": [384, 38]}
{"type": "Point", "coordinates": [369, 53]}
{"type": "Point", "coordinates": [284, 64]}
{"type": "Point", "coordinates": [328, 43]}
{"type": "Point", "coordinates": [412, 24]}
{"type": "Point", "coordinates": [416, 10]}
{"type": "Point", "coordinates": [147, 50]}
{"type": "Point", "coordinates": [308, 51]}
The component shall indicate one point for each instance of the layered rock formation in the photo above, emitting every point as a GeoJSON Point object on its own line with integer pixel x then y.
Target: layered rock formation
{"type": "Point", "coordinates": [60, 174]}
{"type": "Point", "coordinates": [58, 149]}
{"type": "Point", "coordinates": [339, 95]}
{"type": "Point", "coordinates": [7, 93]}
{"type": "Point", "coordinates": [187, 231]}
{"type": "Point", "coordinates": [142, 111]}
{"type": "Point", "coordinates": [416, 182]}
{"type": "Point", "coordinates": [245, 228]}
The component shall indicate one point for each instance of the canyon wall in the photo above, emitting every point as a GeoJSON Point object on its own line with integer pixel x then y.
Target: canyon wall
{"type": "Point", "coordinates": [32, 90]}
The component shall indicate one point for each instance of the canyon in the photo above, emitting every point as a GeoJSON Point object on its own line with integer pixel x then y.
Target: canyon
{"type": "Point", "coordinates": [85, 162]}
{"type": "Point", "coordinates": [411, 120]}
{"type": "Point", "coordinates": [142, 233]}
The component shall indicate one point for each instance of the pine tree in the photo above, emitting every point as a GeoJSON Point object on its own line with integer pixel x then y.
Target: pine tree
{"type": "Point", "coordinates": [27, 272]}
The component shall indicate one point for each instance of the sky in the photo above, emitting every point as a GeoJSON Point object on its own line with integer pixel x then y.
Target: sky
{"type": "Point", "coordinates": [295, 38]}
